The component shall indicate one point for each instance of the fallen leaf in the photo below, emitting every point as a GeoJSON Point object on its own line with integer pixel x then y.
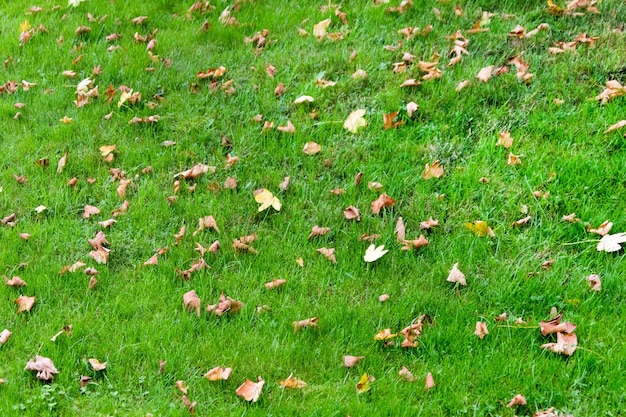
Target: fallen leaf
{"type": "Point", "coordinates": [555, 326]}
{"type": "Point", "coordinates": [400, 230]}
{"type": "Point", "coordinates": [405, 374]}
{"type": "Point", "coordinates": [289, 128]}
{"type": "Point", "coordinates": [43, 366]}
{"type": "Point", "coordinates": [481, 330]}
{"type": "Point", "coordinates": [304, 99]}
{"type": "Point", "coordinates": [311, 148]}
{"type": "Point", "coordinates": [415, 243]}
{"type": "Point", "coordinates": [72, 268]}
{"type": "Point", "coordinates": [107, 150]}
{"type": "Point", "coordinates": [429, 224]}
{"type": "Point", "coordinates": [352, 213]}
{"type": "Point", "coordinates": [328, 253]}
{"type": "Point", "coordinates": [206, 222]}
{"type": "Point", "coordinates": [266, 199]}
{"type": "Point", "coordinates": [461, 85]}
{"type": "Point", "coordinates": [90, 211]}
{"type": "Point", "coordinates": [381, 202]}
{"type": "Point", "coordinates": [319, 231]}
{"type": "Point", "coordinates": [594, 282]}
{"type": "Point", "coordinates": [180, 384]}
{"type": "Point", "coordinates": [385, 334]}
{"type": "Point", "coordinates": [566, 344]}
{"type": "Point", "coordinates": [521, 222]}
{"type": "Point", "coordinates": [283, 186]}
{"type": "Point", "coordinates": [433, 171]}
{"type": "Point", "coordinates": [196, 171]}
{"type": "Point", "coordinates": [517, 400]}
{"type": "Point", "coordinates": [310, 322]}
{"type": "Point", "coordinates": [100, 255]}
{"type": "Point", "coordinates": [429, 382]}
{"type": "Point", "coordinates": [4, 336]}
{"type": "Point", "coordinates": [485, 73]}
{"type": "Point", "coordinates": [505, 139]}
{"type": "Point", "coordinates": [355, 121]}
{"type": "Point", "coordinates": [319, 29]}
{"type": "Point", "coordinates": [275, 283]}
{"type": "Point", "coordinates": [62, 163]}
{"type": "Point", "coordinates": [250, 391]}
{"type": "Point", "coordinates": [218, 374]}
{"type": "Point", "coordinates": [388, 120]}
{"type": "Point", "coordinates": [364, 383]}
{"type": "Point", "coordinates": [225, 305]}
{"type": "Point", "coordinates": [374, 253]}
{"type": "Point", "coordinates": [603, 229]}
{"type": "Point", "coordinates": [480, 228]}
{"type": "Point", "coordinates": [611, 243]}
{"type": "Point", "coordinates": [383, 298]}
{"type": "Point", "coordinates": [616, 126]}
{"type": "Point", "coordinates": [293, 383]}
{"type": "Point", "coordinates": [96, 365]}
{"type": "Point", "coordinates": [154, 260]}
{"type": "Point", "coordinates": [15, 282]}
{"type": "Point", "coordinates": [350, 361]}
{"type": "Point", "coordinates": [456, 276]}
{"type": "Point", "coordinates": [24, 303]}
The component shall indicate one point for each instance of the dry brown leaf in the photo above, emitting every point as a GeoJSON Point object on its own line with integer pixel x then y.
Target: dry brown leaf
{"type": "Point", "coordinates": [4, 336]}
{"type": "Point", "coordinates": [385, 334]}
{"type": "Point", "coordinates": [616, 126]}
{"type": "Point", "coordinates": [122, 209]}
{"type": "Point", "coordinates": [517, 400]}
{"type": "Point", "coordinates": [24, 303]}
{"type": "Point", "coordinates": [400, 230]}
{"type": "Point", "coordinates": [283, 186]}
{"type": "Point", "coordinates": [43, 366]}
{"type": "Point", "coordinates": [405, 374]}
{"type": "Point", "coordinates": [521, 222]}
{"type": "Point", "coordinates": [566, 344]}
{"type": "Point", "coordinates": [319, 231]}
{"type": "Point", "coordinates": [218, 374]}
{"type": "Point", "coordinates": [413, 331]}
{"type": "Point", "coordinates": [302, 324]}
{"type": "Point", "coordinates": [62, 163]}
{"type": "Point", "coordinates": [196, 171]}
{"type": "Point", "coordinates": [225, 305]}
{"type": "Point", "coordinates": [504, 139]}
{"type": "Point", "coordinates": [429, 382]}
{"type": "Point", "coordinates": [214, 247]}
{"type": "Point", "coordinates": [319, 29]}
{"type": "Point", "coordinates": [359, 74]}
{"type": "Point", "coordinates": [594, 282]}
{"type": "Point", "coordinates": [415, 243]}
{"type": "Point", "coordinates": [456, 276]}
{"type": "Point", "coordinates": [15, 282]}
{"type": "Point", "coordinates": [603, 229]}
{"type": "Point", "coordinates": [97, 365]}
{"type": "Point", "coordinates": [383, 298]}
{"type": "Point", "coordinates": [388, 120]}
{"type": "Point", "coordinates": [433, 171]}
{"type": "Point", "coordinates": [311, 148]}
{"type": "Point", "coordinates": [481, 330]}
{"type": "Point", "coordinates": [555, 326]}
{"type": "Point", "coordinates": [328, 253]}
{"type": "Point", "coordinates": [293, 383]}
{"type": "Point", "coordinates": [352, 213]}
{"type": "Point", "coordinates": [461, 85]}
{"type": "Point", "coordinates": [355, 121]}
{"type": "Point", "coordinates": [72, 268]}
{"type": "Point", "coordinates": [251, 391]}
{"type": "Point", "coordinates": [90, 211]}
{"type": "Point", "coordinates": [514, 159]}
{"type": "Point", "coordinates": [275, 283]}
{"type": "Point", "coordinates": [180, 384]}
{"type": "Point", "coordinates": [485, 74]}
{"type": "Point", "coordinates": [429, 224]}
{"type": "Point", "coordinates": [154, 260]}
{"type": "Point", "coordinates": [100, 255]}
{"type": "Point", "coordinates": [381, 202]}
{"type": "Point", "coordinates": [351, 361]}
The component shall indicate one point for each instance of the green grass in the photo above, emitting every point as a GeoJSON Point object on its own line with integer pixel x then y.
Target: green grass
{"type": "Point", "coordinates": [135, 316]}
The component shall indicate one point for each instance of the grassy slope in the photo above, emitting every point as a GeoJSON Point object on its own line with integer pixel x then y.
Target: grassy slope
{"type": "Point", "coordinates": [135, 316]}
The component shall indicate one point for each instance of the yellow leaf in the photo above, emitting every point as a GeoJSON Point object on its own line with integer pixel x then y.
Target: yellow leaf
{"type": "Point", "coordinates": [25, 26]}
{"type": "Point", "coordinates": [355, 121]}
{"type": "Point", "coordinates": [555, 9]}
{"type": "Point", "coordinates": [107, 149]}
{"type": "Point", "coordinates": [364, 383]}
{"type": "Point", "coordinates": [480, 228]}
{"type": "Point", "coordinates": [319, 29]}
{"type": "Point", "coordinates": [267, 199]}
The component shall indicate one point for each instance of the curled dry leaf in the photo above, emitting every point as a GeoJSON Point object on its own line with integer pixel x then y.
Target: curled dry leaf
{"type": "Point", "coordinates": [415, 243]}
{"type": "Point", "coordinates": [456, 276]}
{"type": "Point", "coordinates": [429, 382]}
{"type": "Point", "coordinates": [570, 218]}
{"type": "Point", "coordinates": [97, 365]}
{"type": "Point", "coordinates": [4, 336]}
{"type": "Point", "coordinates": [225, 305]}
{"type": "Point", "coordinates": [405, 374]}
{"type": "Point", "coordinates": [283, 186]}
{"type": "Point", "coordinates": [352, 213]}
{"type": "Point", "coordinates": [251, 391]}
{"type": "Point", "coordinates": [196, 171]}
{"type": "Point", "coordinates": [24, 303]}
{"type": "Point", "coordinates": [293, 383]}
{"type": "Point", "coordinates": [555, 326]}
{"type": "Point", "coordinates": [566, 344]}
{"type": "Point", "coordinates": [355, 121]}
{"type": "Point", "coordinates": [288, 128]}
{"type": "Point", "coordinates": [481, 330]}
{"type": "Point", "coordinates": [275, 283]}
{"type": "Point", "coordinates": [218, 374]}
{"type": "Point", "coordinates": [319, 231]}
{"type": "Point", "coordinates": [311, 148]}
{"type": "Point", "coordinates": [206, 222]}
{"type": "Point", "coordinates": [594, 282]}
{"type": "Point", "coordinates": [154, 260]}
{"type": "Point", "coordinates": [521, 222]}
{"type": "Point", "coordinates": [413, 331]}
{"type": "Point", "coordinates": [266, 199]}
{"type": "Point", "coordinates": [180, 384]}
{"type": "Point", "coordinates": [400, 230]}
{"type": "Point", "coordinates": [215, 246]}
{"type": "Point", "coordinates": [517, 400]}
{"type": "Point", "coordinates": [328, 253]}
{"type": "Point", "coordinates": [428, 224]}
{"type": "Point", "coordinates": [303, 99]}
{"type": "Point", "coordinates": [62, 163]}
{"type": "Point", "coordinates": [603, 229]}
{"type": "Point", "coordinates": [383, 298]}
{"type": "Point", "coordinates": [72, 268]}
{"type": "Point", "coordinates": [411, 108]}
{"type": "Point", "coordinates": [485, 73]}
{"type": "Point", "coordinates": [433, 170]}
{"type": "Point", "coordinates": [350, 361]}
{"type": "Point", "coordinates": [319, 29]}
{"type": "Point", "coordinates": [43, 366]}
{"type": "Point", "coordinates": [616, 126]}
{"type": "Point", "coordinates": [15, 282]}
{"type": "Point", "coordinates": [514, 159]}
{"type": "Point", "coordinates": [121, 189]}
{"type": "Point", "coordinates": [90, 211]}
{"type": "Point", "coordinates": [381, 202]}
{"type": "Point", "coordinates": [388, 120]}
{"type": "Point", "coordinates": [504, 139]}
{"type": "Point", "coordinates": [191, 301]}
{"type": "Point", "coordinates": [310, 322]}
{"type": "Point", "coordinates": [385, 334]}
{"type": "Point", "coordinates": [100, 255]}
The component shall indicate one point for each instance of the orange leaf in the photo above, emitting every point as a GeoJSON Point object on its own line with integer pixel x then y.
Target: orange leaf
{"type": "Point", "coordinates": [319, 231]}
{"type": "Point", "coordinates": [311, 148]}
{"type": "Point", "coordinates": [481, 330]}
{"type": "Point", "coordinates": [97, 365]}
{"type": "Point", "coordinates": [388, 120]}
{"type": "Point", "coordinates": [350, 361]}
{"type": "Point", "coordinates": [352, 213]}
{"type": "Point", "coordinates": [415, 243]}
{"type": "Point", "coordinates": [329, 253]}
{"type": "Point", "coordinates": [191, 301]}
{"type": "Point", "coordinates": [429, 382]}
{"type": "Point", "coordinates": [24, 303]}
{"type": "Point", "coordinates": [433, 171]}
{"type": "Point", "coordinates": [310, 322]}
{"type": "Point", "coordinates": [218, 374]}
{"type": "Point", "coordinates": [275, 283]}
{"type": "Point", "coordinates": [251, 391]}
{"type": "Point", "coordinates": [293, 383]}
{"type": "Point", "coordinates": [381, 202]}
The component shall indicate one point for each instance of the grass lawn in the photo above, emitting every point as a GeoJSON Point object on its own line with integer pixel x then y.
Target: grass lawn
{"type": "Point", "coordinates": [209, 79]}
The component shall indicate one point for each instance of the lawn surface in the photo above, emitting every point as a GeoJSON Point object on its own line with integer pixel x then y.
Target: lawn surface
{"type": "Point", "coordinates": [134, 316]}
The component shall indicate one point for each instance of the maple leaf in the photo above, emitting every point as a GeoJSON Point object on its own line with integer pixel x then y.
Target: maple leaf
{"type": "Point", "coordinates": [481, 330]}
{"type": "Point", "coordinates": [594, 282]}
{"type": "Point", "coordinates": [388, 120]}
{"type": "Point", "coordinates": [566, 344]}
{"type": "Point", "coordinates": [15, 282]}
{"type": "Point", "coordinates": [355, 121]}
{"type": "Point", "coordinates": [517, 400]}
{"type": "Point", "coordinates": [504, 139]}
{"type": "Point", "coordinates": [433, 171]}
{"type": "Point", "coordinates": [266, 199]}
{"type": "Point", "coordinates": [319, 231]}
{"type": "Point", "coordinates": [364, 383]}
{"type": "Point", "coordinates": [480, 228]}
{"type": "Point", "coordinates": [311, 148]}
{"type": "Point", "coordinates": [328, 253]}
{"type": "Point", "coordinates": [405, 374]}
{"type": "Point", "coordinates": [603, 229]}
{"type": "Point", "coordinates": [275, 283]}
{"type": "Point", "coordinates": [455, 275]}
{"type": "Point", "coordinates": [97, 365]}
{"type": "Point", "coordinates": [351, 361]}
{"type": "Point", "coordinates": [43, 366]}
{"type": "Point", "coordinates": [207, 222]}
{"type": "Point", "coordinates": [428, 224]}
{"type": "Point", "coordinates": [251, 391]}
{"type": "Point", "coordinates": [319, 29]}
{"type": "Point", "coordinates": [293, 383]}
{"type": "Point", "coordinates": [611, 243]}
{"type": "Point", "coordinates": [429, 382]}
{"type": "Point", "coordinates": [352, 213]}
{"type": "Point", "coordinates": [100, 255]}
{"type": "Point", "coordinates": [381, 202]}
{"type": "Point", "coordinates": [555, 326]}
{"type": "Point", "coordinates": [485, 73]}
{"type": "Point", "coordinates": [218, 374]}
{"type": "Point", "coordinates": [374, 253]}
{"type": "Point", "coordinates": [24, 303]}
